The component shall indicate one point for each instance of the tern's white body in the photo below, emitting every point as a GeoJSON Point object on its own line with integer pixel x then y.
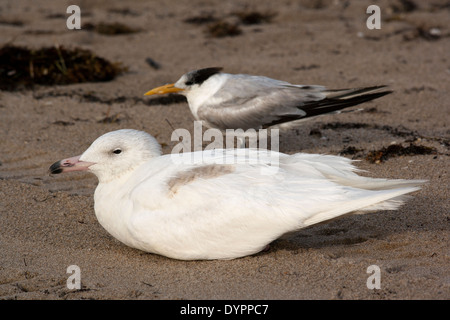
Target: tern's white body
{"type": "Point", "coordinates": [217, 209]}
{"type": "Point", "coordinates": [207, 94]}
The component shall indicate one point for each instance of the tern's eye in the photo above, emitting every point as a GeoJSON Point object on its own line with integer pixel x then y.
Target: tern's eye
{"type": "Point", "coordinates": [117, 151]}
{"type": "Point", "coordinates": [189, 83]}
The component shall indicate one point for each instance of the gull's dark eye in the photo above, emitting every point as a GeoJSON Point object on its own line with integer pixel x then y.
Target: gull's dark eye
{"type": "Point", "coordinates": [117, 151]}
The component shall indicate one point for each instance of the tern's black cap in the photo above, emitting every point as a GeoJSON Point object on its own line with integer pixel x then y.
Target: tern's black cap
{"type": "Point", "coordinates": [201, 75]}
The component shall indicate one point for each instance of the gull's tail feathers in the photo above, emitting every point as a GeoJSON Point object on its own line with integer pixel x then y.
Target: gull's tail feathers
{"type": "Point", "coordinates": [371, 201]}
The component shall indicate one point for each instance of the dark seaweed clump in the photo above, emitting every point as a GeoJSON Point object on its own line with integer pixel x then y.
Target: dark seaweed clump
{"type": "Point", "coordinates": [110, 29]}
{"type": "Point", "coordinates": [23, 68]}
{"type": "Point", "coordinates": [350, 150]}
{"type": "Point", "coordinates": [201, 19]}
{"type": "Point", "coordinates": [11, 22]}
{"type": "Point", "coordinates": [396, 150]}
{"type": "Point", "coordinates": [222, 29]}
{"type": "Point", "coordinates": [219, 27]}
{"type": "Point", "coordinates": [254, 17]}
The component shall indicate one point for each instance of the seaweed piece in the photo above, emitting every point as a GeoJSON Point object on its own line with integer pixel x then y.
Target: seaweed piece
{"type": "Point", "coordinates": [315, 132]}
{"type": "Point", "coordinates": [56, 16]}
{"type": "Point", "coordinates": [350, 151]}
{"type": "Point", "coordinates": [124, 11]}
{"type": "Point", "coordinates": [396, 150]}
{"type": "Point", "coordinates": [13, 22]}
{"type": "Point", "coordinates": [341, 125]}
{"type": "Point", "coordinates": [202, 19]}
{"type": "Point", "coordinates": [222, 29]}
{"type": "Point", "coordinates": [254, 17]}
{"type": "Point", "coordinates": [39, 32]}
{"type": "Point", "coordinates": [403, 6]}
{"type": "Point", "coordinates": [400, 132]}
{"type": "Point", "coordinates": [316, 4]}
{"type": "Point", "coordinates": [373, 110]}
{"type": "Point", "coordinates": [152, 63]}
{"type": "Point", "coordinates": [63, 123]}
{"type": "Point", "coordinates": [306, 67]}
{"type": "Point", "coordinates": [110, 29]}
{"type": "Point", "coordinates": [110, 119]}
{"type": "Point", "coordinates": [21, 67]}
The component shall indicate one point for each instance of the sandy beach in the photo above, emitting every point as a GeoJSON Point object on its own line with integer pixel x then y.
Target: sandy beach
{"type": "Point", "coordinates": [47, 223]}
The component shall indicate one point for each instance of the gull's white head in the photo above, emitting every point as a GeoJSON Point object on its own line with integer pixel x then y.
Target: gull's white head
{"type": "Point", "coordinates": [112, 154]}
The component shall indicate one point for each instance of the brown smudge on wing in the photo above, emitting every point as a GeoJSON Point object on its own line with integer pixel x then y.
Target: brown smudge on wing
{"type": "Point", "coordinates": [204, 172]}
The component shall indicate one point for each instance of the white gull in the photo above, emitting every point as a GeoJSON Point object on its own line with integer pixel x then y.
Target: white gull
{"type": "Point", "coordinates": [217, 210]}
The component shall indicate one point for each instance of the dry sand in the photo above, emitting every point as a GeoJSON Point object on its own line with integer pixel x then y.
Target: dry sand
{"type": "Point", "coordinates": [47, 223]}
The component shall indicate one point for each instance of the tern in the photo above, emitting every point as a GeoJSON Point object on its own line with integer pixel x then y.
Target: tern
{"type": "Point", "coordinates": [216, 209]}
{"type": "Point", "coordinates": [240, 101]}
